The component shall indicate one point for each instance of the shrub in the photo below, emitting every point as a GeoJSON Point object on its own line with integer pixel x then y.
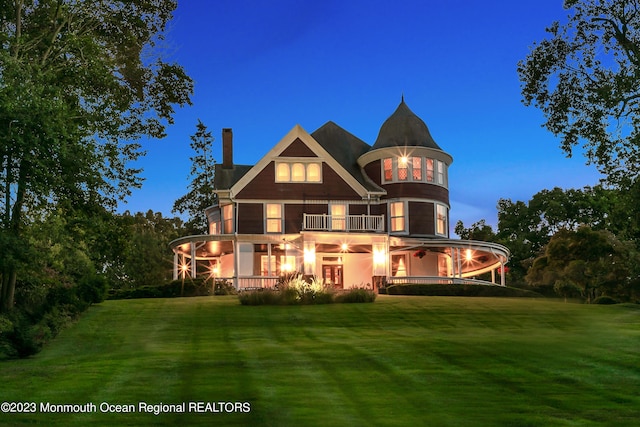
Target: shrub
{"type": "Point", "coordinates": [222, 287]}
{"type": "Point", "coordinates": [177, 288]}
{"type": "Point", "coordinates": [300, 290]}
{"type": "Point", "coordinates": [93, 289]}
{"type": "Point", "coordinates": [605, 300]}
{"type": "Point", "coordinates": [466, 290]}
{"type": "Point", "coordinates": [356, 295]}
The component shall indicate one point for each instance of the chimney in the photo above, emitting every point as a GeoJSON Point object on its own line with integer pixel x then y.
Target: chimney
{"type": "Point", "coordinates": [227, 148]}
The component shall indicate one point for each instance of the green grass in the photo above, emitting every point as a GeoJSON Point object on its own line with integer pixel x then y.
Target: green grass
{"type": "Point", "coordinates": [401, 361]}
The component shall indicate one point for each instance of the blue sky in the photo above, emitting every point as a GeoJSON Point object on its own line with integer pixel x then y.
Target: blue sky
{"type": "Point", "coordinates": [261, 67]}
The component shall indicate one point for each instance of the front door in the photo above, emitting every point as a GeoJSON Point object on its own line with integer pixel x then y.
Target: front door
{"type": "Point", "coordinates": [332, 274]}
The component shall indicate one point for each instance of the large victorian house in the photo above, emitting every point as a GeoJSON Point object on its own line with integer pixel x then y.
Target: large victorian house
{"type": "Point", "coordinates": [330, 205]}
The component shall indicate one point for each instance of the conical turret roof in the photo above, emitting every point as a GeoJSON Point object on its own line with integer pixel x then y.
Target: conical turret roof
{"type": "Point", "coordinates": [404, 128]}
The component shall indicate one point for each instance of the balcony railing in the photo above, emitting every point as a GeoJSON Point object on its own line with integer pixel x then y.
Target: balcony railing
{"type": "Point", "coordinates": [324, 222]}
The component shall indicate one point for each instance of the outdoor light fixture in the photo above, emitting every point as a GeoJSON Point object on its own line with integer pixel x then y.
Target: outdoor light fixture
{"type": "Point", "coordinates": [469, 255]}
{"type": "Point", "coordinates": [344, 247]}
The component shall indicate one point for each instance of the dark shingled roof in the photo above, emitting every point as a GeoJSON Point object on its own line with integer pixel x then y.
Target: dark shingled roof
{"type": "Point", "coordinates": [345, 148]}
{"type": "Point", "coordinates": [225, 178]}
{"type": "Point", "coordinates": [404, 128]}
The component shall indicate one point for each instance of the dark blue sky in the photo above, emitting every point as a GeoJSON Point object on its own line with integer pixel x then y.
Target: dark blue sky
{"type": "Point", "coordinates": [261, 67]}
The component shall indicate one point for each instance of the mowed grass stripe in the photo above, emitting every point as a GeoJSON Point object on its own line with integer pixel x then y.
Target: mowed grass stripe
{"type": "Point", "coordinates": [399, 361]}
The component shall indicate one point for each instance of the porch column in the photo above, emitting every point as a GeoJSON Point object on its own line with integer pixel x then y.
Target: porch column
{"type": "Point", "coordinates": [309, 257]}
{"type": "Point", "coordinates": [193, 260]}
{"type": "Point", "coordinates": [175, 265]}
{"type": "Point", "coordinates": [502, 278]}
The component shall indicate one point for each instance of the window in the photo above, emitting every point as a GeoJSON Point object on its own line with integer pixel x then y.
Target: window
{"type": "Point", "coordinates": [429, 163]}
{"type": "Point", "coordinates": [416, 168]}
{"type": "Point", "coordinates": [388, 169]}
{"type": "Point", "coordinates": [314, 173]}
{"type": "Point", "coordinates": [298, 172]}
{"type": "Point", "coordinates": [265, 268]}
{"type": "Point", "coordinates": [338, 217]}
{"type": "Point", "coordinates": [283, 172]}
{"type": "Point", "coordinates": [441, 180]}
{"type": "Point", "coordinates": [227, 218]}
{"type": "Point", "coordinates": [273, 214]}
{"type": "Point", "coordinates": [398, 265]}
{"type": "Point", "coordinates": [397, 216]}
{"type": "Point", "coordinates": [441, 220]}
{"type": "Point", "coordinates": [403, 164]}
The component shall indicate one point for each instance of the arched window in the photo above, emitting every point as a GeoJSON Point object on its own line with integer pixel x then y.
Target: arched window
{"type": "Point", "coordinates": [297, 172]}
{"type": "Point", "coordinates": [313, 172]}
{"type": "Point", "coordinates": [283, 173]}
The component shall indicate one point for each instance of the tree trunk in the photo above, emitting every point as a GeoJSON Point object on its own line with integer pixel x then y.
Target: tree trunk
{"type": "Point", "coordinates": [8, 289]}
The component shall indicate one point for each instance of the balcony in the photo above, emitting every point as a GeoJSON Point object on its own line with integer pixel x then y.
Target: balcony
{"type": "Point", "coordinates": [324, 222]}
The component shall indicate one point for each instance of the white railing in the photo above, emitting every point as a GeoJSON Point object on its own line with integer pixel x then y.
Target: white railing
{"type": "Point", "coordinates": [413, 280]}
{"type": "Point", "coordinates": [256, 282]}
{"type": "Point", "coordinates": [324, 222]}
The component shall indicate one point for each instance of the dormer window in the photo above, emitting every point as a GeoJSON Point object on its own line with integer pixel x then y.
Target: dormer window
{"type": "Point", "coordinates": [299, 172]}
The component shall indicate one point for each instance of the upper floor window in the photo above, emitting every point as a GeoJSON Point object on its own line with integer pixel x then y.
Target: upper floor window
{"type": "Point", "coordinates": [396, 216]}
{"type": "Point", "coordinates": [416, 169]}
{"type": "Point", "coordinates": [227, 219]}
{"type": "Point", "coordinates": [298, 172]}
{"type": "Point", "coordinates": [441, 220]}
{"type": "Point", "coordinates": [273, 217]}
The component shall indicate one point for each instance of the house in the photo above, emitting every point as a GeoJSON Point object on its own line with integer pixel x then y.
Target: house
{"type": "Point", "coordinates": [329, 204]}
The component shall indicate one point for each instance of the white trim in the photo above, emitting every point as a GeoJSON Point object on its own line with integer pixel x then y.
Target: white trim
{"type": "Point", "coordinates": [297, 132]}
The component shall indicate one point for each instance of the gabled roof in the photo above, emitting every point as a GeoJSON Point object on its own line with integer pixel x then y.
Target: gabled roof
{"type": "Point", "coordinates": [355, 180]}
{"type": "Point", "coordinates": [345, 148]}
{"type": "Point", "coordinates": [404, 128]}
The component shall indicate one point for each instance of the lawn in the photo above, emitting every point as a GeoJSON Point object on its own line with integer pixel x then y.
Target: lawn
{"type": "Point", "coordinates": [401, 361]}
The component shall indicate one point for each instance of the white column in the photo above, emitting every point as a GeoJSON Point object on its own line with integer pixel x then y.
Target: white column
{"type": "Point", "coordinates": [193, 260]}
{"type": "Point", "coordinates": [175, 265]}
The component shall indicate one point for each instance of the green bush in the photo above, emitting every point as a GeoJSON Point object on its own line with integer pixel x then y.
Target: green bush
{"type": "Point", "coordinates": [465, 290]}
{"type": "Point", "coordinates": [177, 288]}
{"type": "Point", "coordinates": [93, 289]}
{"type": "Point", "coordinates": [355, 295]}
{"type": "Point", "coordinates": [605, 300]}
{"type": "Point", "coordinates": [304, 291]}
{"type": "Point", "coordinates": [222, 287]}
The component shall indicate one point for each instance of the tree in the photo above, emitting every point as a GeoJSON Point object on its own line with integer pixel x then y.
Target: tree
{"type": "Point", "coordinates": [594, 261]}
{"type": "Point", "coordinates": [200, 195]}
{"type": "Point", "coordinates": [584, 77]}
{"type": "Point", "coordinates": [80, 83]}
{"type": "Point", "coordinates": [479, 230]}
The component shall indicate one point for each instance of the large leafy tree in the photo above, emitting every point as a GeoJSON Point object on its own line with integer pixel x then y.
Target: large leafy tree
{"type": "Point", "coordinates": [80, 83]}
{"type": "Point", "coordinates": [200, 195]}
{"type": "Point", "coordinates": [593, 261]}
{"type": "Point", "coordinates": [585, 78]}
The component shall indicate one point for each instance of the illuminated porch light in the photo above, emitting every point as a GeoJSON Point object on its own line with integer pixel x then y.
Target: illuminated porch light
{"type": "Point", "coordinates": [344, 247]}
{"type": "Point", "coordinates": [468, 255]}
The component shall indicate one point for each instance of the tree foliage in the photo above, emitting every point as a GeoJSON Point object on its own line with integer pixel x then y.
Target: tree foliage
{"type": "Point", "coordinates": [584, 78]}
{"type": "Point", "coordinates": [80, 83]}
{"type": "Point", "coordinates": [595, 262]}
{"type": "Point", "coordinates": [200, 195]}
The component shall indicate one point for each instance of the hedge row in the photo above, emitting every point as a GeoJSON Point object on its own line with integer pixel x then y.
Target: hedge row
{"type": "Point", "coordinates": [465, 290]}
{"type": "Point", "coordinates": [177, 288]}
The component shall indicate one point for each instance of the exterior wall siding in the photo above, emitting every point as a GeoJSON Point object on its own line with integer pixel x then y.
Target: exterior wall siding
{"type": "Point", "coordinates": [421, 218]}
{"type": "Point", "coordinates": [297, 149]}
{"type": "Point", "coordinates": [250, 218]}
{"type": "Point", "coordinates": [264, 186]}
